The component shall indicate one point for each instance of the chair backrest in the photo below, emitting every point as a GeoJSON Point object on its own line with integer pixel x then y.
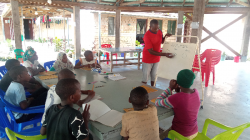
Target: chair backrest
{"type": "Point", "coordinates": [18, 51]}
{"type": "Point", "coordinates": [213, 56]}
{"type": "Point", "coordinates": [106, 46]}
{"type": "Point", "coordinates": [2, 132]}
{"type": "Point", "coordinates": [232, 134]}
{"type": "Point", "coordinates": [48, 64]}
{"type": "Point", "coordinates": [3, 71]}
{"type": "Point", "coordinates": [13, 136]}
{"type": "Point", "coordinates": [77, 61]}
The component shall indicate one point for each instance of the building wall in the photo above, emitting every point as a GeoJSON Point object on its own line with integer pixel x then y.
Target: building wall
{"type": "Point", "coordinates": [128, 32]}
{"type": "Point", "coordinates": [1, 31]}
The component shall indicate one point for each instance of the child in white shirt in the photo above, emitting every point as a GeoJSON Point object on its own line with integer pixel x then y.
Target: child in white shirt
{"type": "Point", "coordinates": [88, 61]}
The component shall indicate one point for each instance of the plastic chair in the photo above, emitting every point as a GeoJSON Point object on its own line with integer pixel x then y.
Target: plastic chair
{"type": "Point", "coordinates": [19, 54]}
{"type": "Point", "coordinates": [229, 134]}
{"type": "Point", "coordinates": [13, 136]}
{"type": "Point", "coordinates": [76, 61]}
{"type": "Point", "coordinates": [3, 70]}
{"type": "Point", "coordinates": [6, 110]}
{"type": "Point", "coordinates": [107, 54]}
{"type": "Point", "coordinates": [211, 57]}
{"type": "Point", "coordinates": [48, 65]}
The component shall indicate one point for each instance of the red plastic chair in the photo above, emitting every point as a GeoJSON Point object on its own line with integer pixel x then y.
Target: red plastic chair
{"type": "Point", "coordinates": [212, 57]}
{"type": "Point", "coordinates": [107, 54]}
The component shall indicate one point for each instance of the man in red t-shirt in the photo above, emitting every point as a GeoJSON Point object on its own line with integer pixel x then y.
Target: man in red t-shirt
{"type": "Point", "coordinates": [151, 52]}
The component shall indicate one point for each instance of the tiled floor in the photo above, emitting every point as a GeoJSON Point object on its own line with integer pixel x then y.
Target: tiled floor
{"type": "Point", "coordinates": [228, 101]}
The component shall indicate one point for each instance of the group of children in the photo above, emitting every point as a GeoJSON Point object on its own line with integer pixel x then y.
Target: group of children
{"type": "Point", "coordinates": [61, 121]}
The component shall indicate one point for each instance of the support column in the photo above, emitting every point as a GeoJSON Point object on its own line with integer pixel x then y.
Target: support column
{"type": "Point", "coordinates": [180, 25]}
{"type": "Point", "coordinates": [3, 28]}
{"type": "Point", "coordinates": [246, 37]}
{"type": "Point", "coordinates": [77, 38]}
{"type": "Point", "coordinates": [23, 28]}
{"type": "Point", "coordinates": [68, 29]}
{"type": "Point", "coordinates": [117, 28]}
{"type": "Point", "coordinates": [99, 29]}
{"type": "Point", "coordinates": [197, 23]}
{"type": "Point", "coordinates": [16, 23]}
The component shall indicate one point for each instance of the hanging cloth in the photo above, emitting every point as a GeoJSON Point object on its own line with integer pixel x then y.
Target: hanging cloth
{"type": "Point", "coordinates": [43, 18]}
{"type": "Point", "coordinates": [47, 22]}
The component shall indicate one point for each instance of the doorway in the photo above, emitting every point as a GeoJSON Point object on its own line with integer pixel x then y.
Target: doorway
{"type": "Point", "coordinates": [141, 29]}
{"type": "Point", "coordinates": [28, 28]}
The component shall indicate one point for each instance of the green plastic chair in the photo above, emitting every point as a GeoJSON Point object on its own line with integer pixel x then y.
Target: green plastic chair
{"type": "Point", "coordinates": [13, 136]}
{"type": "Point", "coordinates": [229, 134]}
{"type": "Point", "coordinates": [19, 53]}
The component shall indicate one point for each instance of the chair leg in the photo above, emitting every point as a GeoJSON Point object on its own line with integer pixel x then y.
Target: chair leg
{"type": "Point", "coordinates": [202, 75]}
{"type": "Point", "coordinates": [213, 76]}
{"type": "Point", "coordinates": [207, 78]}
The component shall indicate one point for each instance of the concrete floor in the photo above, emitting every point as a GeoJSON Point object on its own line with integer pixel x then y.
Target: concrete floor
{"type": "Point", "coordinates": [228, 101]}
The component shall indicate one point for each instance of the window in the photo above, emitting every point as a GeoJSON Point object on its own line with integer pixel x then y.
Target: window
{"type": "Point", "coordinates": [171, 27]}
{"type": "Point", "coordinates": [160, 24]}
{"type": "Point", "coordinates": [141, 26]}
{"type": "Point", "coordinates": [111, 26]}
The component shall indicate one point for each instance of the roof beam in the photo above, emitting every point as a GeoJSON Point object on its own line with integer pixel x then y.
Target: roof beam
{"type": "Point", "coordinates": [183, 2]}
{"type": "Point", "coordinates": [242, 3]}
{"type": "Point", "coordinates": [131, 3]}
{"type": "Point", "coordinates": [229, 3]}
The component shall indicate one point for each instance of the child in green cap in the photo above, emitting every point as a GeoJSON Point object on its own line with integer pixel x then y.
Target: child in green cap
{"type": "Point", "coordinates": [185, 103]}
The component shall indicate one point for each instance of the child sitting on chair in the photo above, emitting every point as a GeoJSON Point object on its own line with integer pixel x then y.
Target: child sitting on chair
{"type": "Point", "coordinates": [88, 61]}
{"type": "Point", "coordinates": [62, 62]}
{"type": "Point", "coordinates": [15, 94]}
{"type": "Point", "coordinates": [62, 122]}
{"type": "Point", "coordinates": [142, 123]}
{"type": "Point", "coordinates": [32, 86]}
{"type": "Point", "coordinates": [185, 104]}
{"type": "Point", "coordinates": [53, 98]}
{"type": "Point", "coordinates": [30, 62]}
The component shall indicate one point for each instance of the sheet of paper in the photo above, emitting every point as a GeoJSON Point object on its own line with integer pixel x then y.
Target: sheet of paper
{"type": "Point", "coordinates": [116, 77]}
{"type": "Point", "coordinates": [112, 118]}
{"type": "Point", "coordinates": [97, 109]}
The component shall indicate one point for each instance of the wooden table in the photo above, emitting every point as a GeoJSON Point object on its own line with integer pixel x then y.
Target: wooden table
{"type": "Point", "coordinates": [111, 51]}
{"type": "Point", "coordinates": [115, 94]}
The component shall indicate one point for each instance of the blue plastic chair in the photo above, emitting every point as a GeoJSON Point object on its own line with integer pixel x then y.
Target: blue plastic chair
{"type": "Point", "coordinates": [77, 61]}
{"type": "Point", "coordinates": [6, 110]}
{"type": "Point", "coordinates": [48, 65]}
{"type": "Point", "coordinates": [3, 70]}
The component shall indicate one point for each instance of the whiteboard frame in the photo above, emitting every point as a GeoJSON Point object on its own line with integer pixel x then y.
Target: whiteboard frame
{"type": "Point", "coordinates": [198, 52]}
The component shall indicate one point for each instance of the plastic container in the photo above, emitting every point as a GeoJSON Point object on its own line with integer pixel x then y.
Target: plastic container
{"type": "Point", "coordinates": [237, 59]}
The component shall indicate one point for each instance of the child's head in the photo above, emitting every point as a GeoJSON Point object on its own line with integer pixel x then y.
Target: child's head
{"type": "Point", "coordinates": [185, 78]}
{"type": "Point", "coordinates": [88, 55]}
{"type": "Point", "coordinates": [11, 63]}
{"type": "Point", "coordinates": [62, 57]}
{"type": "Point", "coordinates": [19, 73]}
{"type": "Point", "coordinates": [65, 74]}
{"type": "Point", "coordinates": [139, 98]}
{"type": "Point", "coordinates": [69, 90]}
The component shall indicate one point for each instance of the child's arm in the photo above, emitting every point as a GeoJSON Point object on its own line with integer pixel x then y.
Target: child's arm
{"type": "Point", "coordinates": [41, 68]}
{"type": "Point", "coordinates": [79, 65]}
{"type": "Point", "coordinates": [32, 71]}
{"type": "Point", "coordinates": [25, 104]}
{"type": "Point", "coordinates": [91, 94]}
{"type": "Point", "coordinates": [43, 130]}
{"type": "Point", "coordinates": [125, 138]}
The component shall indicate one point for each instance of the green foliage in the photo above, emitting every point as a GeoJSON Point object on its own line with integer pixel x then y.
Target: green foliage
{"type": "Point", "coordinates": [40, 40]}
{"type": "Point", "coordinates": [137, 43]}
{"type": "Point", "coordinates": [6, 58]}
{"type": "Point", "coordinates": [58, 44]}
{"type": "Point", "coordinates": [184, 19]}
{"type": "Point", "coordinates": [223, 54]}
{"type": "Point", "coordinates": [9, 45]}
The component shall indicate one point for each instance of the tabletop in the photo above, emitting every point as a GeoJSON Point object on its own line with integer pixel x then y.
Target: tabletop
{"type": "Point", "coordinates": [122, 50]}
{"type": "Point", "coordinates": [115, 94]}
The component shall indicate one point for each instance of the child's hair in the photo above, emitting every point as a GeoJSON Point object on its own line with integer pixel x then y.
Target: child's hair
{"type": "Point", "coordinates": [86, 53]}
{"type": "Point", "coordinates": [185, 78]}
{"type": "Point", "coordinates": [139, 96]}
{"type": "Point", "coordinates": [65, 74]}
{"type": "Point", "coordinates": [11, 63]}
{"type": "Point", "coordinates": [66, 88]}
{"type": "Point", "coordinates": [15, 71]}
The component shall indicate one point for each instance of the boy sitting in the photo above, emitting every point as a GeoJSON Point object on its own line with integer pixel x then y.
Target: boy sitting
{"type": "Point", "coordinates": [142, 123]}
{"type": "Point", "coordinates": [16, 94]}
{"type": "Point", "coordinates": [88, 61]}
{"type": "Point", "coordinates": [62, 122]}
{"type": "Point", "coordinates": [53, 98]}
{"type": "Point", "coordinates": [185, 104]}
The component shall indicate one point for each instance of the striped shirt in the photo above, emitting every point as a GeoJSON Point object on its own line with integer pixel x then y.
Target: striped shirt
{"type": "Point", "coordinates": [162, 100]}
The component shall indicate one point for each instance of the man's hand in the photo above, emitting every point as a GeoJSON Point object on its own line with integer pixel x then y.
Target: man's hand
{"type": "Point", "coordinates": [169, 55]}
{"type": "Point", "coordinates": [173, 84]}
{"type": "Point", "coordinates": [86, 115]}
{"type": "Point", "coordinates": [168, 35]}
{"type": "Point", "coordinates": [93, 65]}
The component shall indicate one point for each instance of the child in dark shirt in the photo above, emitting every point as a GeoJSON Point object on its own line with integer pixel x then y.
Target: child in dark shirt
{"type": "Point", "coordinates": [62, 121]}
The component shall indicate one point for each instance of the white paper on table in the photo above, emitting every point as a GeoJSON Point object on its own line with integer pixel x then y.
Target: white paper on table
{"type": "Point", "coordinates": [116, 77]}
{"type": "Point", "coordinates": [112, 118]}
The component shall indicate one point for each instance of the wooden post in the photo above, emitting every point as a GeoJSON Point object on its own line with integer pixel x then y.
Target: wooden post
{"type": "Point", "coordinates": [68, 29]}
{"type": "Point", "coordinates": [180, 25]}
{"type": "Point", "coordinates": [3, 28]}
{"type": "Point", "coordinates": [198, 16]}
{"type": "Point", "coordinates": [117, 28]}
{"type": "Point", "coordinates": [64, 35]}
{"type": "Point", "coordinates": [99, 29]}
{"type": "Point", "coordinates": [23, 27]}
{"type": "Point", "coordinates": [77, 38]}
{"type": "Point", "coordinates": [246, 36]}
{"type": "Point", "coordinates": [16, 23]}
{"type": "Point", "coordinates": [54, 26]}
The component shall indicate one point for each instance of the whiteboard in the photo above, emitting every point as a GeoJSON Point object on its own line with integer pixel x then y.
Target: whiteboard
{"type": "Point", "coordinates": [183, 59]}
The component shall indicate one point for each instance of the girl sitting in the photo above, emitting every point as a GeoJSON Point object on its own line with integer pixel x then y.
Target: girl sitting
{"type": "Point", "coordinates": [62, 62]}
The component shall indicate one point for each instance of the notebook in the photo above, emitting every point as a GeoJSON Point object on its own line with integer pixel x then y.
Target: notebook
{"type": "Point", "coordinates": [100, 112]}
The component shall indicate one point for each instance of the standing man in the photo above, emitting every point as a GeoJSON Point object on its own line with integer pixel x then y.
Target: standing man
{"type": "Point", "coordinates": [151, 52]}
